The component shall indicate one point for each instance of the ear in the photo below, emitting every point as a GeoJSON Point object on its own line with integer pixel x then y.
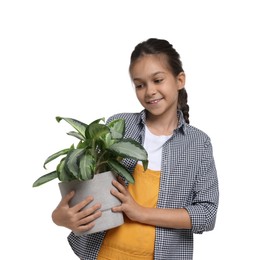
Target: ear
{"type": "Point", "coordinates": [181, 80]}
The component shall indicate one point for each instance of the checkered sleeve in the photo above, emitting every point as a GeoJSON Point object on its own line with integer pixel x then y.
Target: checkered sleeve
{"type": "Point", "coordinates": [204, 207]}
{"type": "Point", "coordinates": [86, 247]}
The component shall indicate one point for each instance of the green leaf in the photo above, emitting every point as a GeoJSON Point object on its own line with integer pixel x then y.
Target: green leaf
{"type": "Point", "coordinates": [129, 148]}
{"type": "Point", "coordinates": [121, 170]}
{"type": "Point", "coordinates": [108, 141]}
{"type": "Point", "coordinates": [96, 131]}
{"type": "Point", "coordinates": [78, 125]}
{"type": "Point", "coordinates": [71, 162]}
{"type": "Point", "coordinates": [84, 144]}
{"type": "Point", "coordinates": [45, 178]}
{"type": "Point", "coordinates": [117, 128]}
{"type": "Point", "coordinates": [76, 134]}
{"type": "Point", "coordinates": [57, 154]}
{"type": "Point", "coordinates": [86, 167]}
{"type": "Point", "coordinates": [145, 164]}
{"type": "Point", "coordinates": [97, 121]}
{"type": "Point", "coordinates": [63, 174]}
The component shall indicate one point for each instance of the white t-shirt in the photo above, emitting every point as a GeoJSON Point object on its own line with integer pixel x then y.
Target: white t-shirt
{"type": "Point", "coordinates": [153, 144]}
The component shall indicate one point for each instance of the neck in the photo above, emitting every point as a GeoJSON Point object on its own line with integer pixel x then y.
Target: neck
{"type": "Point", "coordinates": [162, 126]}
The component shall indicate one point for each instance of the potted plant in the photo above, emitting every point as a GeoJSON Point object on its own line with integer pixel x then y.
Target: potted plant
{"type": "Point", "coordinates": [90, 166]}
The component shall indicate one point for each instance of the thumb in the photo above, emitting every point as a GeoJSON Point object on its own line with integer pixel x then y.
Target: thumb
{"type": "Point", "coordinates": [66, 199]}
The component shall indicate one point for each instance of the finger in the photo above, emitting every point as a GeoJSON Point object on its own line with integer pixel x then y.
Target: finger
{"type": "Point", "coordinates": [121, 181]}
{"type": "Point", "coordinates": [119, 186]}
{"type": "Point", "coordinates": [84, 228]}
{"type": "Point", "coordinates": [89, 211]}
{"type": "Point", "coordinates": [118, 195]}
{"type": "Point", "coordinates": [66, 199]}
{"type": "Point", "coordinates": [117, 209]}
{"type": "Point", "coordinates": [79, 206]}
{"type": "Point", "coordinates": [90, 218]}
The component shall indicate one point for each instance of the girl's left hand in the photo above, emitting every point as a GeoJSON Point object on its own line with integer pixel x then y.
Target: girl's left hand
{"type": "Point", "coordinates": [168, 218]}
{"type": "Point", "coordinates": [129, 206]}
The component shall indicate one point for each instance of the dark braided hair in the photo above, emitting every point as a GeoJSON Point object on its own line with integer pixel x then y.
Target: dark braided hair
{"type": "Point", "coordinates": [158, 46]}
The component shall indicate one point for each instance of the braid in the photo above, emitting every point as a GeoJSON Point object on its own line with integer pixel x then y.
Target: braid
{"type": "Point", "coordinates": [183, 105]}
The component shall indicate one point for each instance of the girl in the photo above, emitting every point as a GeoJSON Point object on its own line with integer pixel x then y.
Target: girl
{"type": "Point", "coordinates": [178, 195]}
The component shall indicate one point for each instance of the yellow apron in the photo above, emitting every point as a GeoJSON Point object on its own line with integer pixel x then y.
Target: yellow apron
{"type": "Point", "coordinates": [132, 240]}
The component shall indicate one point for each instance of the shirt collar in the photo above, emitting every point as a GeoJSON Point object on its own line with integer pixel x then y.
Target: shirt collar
{"type": "Point", "coordinates": [182, 126]}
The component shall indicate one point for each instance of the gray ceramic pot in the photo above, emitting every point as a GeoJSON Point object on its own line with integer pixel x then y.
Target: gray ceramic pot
{"type": "Point", "coordinates": [99, 187]}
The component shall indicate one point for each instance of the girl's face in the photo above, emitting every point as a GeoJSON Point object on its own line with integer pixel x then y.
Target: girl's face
{"type": "Point", "coordinates": [156, 86]}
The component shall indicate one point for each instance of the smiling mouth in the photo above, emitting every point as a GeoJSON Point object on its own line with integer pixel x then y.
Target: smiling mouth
{"type": "Point", "coordinates": [155, 101]}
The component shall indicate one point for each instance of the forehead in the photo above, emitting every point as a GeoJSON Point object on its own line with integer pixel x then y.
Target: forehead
{"type": "Point", "coordinates": [149, 64]}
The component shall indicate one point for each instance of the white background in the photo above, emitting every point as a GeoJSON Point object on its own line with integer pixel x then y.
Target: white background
{"type": "Point", "coordinates": [70, 58]}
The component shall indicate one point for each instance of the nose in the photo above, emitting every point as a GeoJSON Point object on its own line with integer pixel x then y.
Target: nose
{"type": "Point", "coordinates": [151, 90]}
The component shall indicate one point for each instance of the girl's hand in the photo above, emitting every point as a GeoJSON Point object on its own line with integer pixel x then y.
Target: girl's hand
{"type": "Point", "coordinates": [178, 218]}
{"type": "Point", "coordinates": [129, 206]}
{"type": "Point", "coordinates": [73, 218]}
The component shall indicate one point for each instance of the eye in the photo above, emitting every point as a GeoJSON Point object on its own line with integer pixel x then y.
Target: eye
{"type": "Point", "coordinates": [158, 81]}
{"type": "Point", "coordinates": [138, 85]}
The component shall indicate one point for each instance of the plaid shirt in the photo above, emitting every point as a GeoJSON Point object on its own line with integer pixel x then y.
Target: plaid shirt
{"type": "Point", "coordinates": [188, 180]}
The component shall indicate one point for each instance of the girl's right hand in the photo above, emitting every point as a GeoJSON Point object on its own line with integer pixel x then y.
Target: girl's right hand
{"type": "Point", "coordinates": [74, 218]}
